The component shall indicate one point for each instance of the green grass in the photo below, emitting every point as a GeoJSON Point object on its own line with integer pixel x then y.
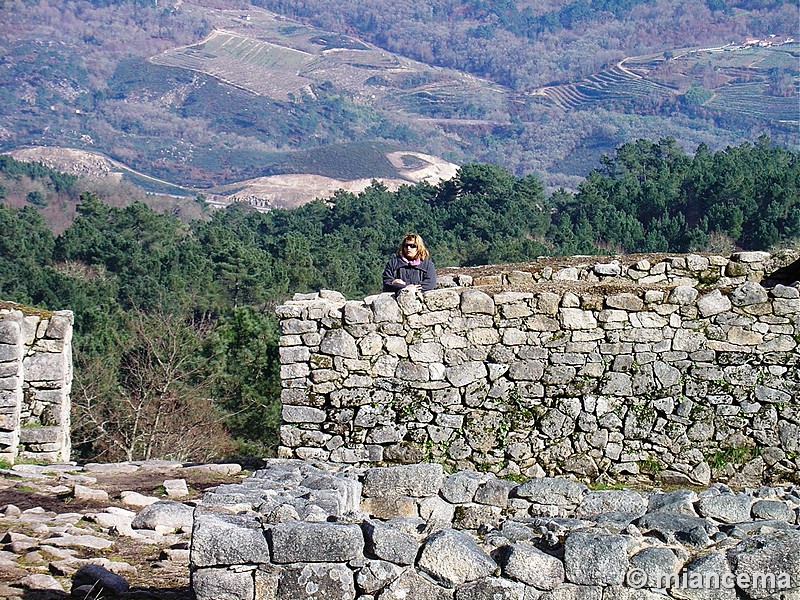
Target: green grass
{"type": "Point", "coordinates": [606, 486]}
{"type": "Point", "coordinates": [26, 310]}
{"type": "Point", "coordinates": [650, 466]}
{"type": "Point", "coordinates": [27, 489]}
{"type": "Point", "coordinates": [516, 478]}
{"type": "Point", "coordinates": [732, 456]}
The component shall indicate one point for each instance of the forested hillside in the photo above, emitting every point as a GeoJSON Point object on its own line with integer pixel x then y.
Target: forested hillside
{"type": "Point", "coordinates": [56, 194]}
{"type": "Point", "coordinates": [529, 44]}
{"type": "Point", "coordinates": [174, 322]}
{"type": "Point", "coordinates": [204, 94]}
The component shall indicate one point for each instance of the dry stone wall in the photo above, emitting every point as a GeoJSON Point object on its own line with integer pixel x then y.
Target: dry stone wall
{"type": "Point", "coordinates": [684, 368]}
{"type": "Point", "coordinates": [35, 384]}
{"type": "Point", "coordinates": [307, 530]}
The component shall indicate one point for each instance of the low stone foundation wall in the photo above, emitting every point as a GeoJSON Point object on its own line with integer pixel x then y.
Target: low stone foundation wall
{"type": "Point", "coordinates": [683, 370]}
{"type": "Point", "coordinates": [298, 531]}
{"type": "Point", "coordinates": [35, 385]}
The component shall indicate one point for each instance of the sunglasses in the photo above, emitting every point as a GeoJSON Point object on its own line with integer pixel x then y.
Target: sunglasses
{"type": "Point", "coordinates": [409, 245]}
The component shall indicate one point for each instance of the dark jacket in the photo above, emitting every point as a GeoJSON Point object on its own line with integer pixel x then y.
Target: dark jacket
{"type": "Point", "coordinates": [423, 274]}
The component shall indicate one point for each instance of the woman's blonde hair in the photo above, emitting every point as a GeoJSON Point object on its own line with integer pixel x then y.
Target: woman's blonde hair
{"type": "Point", "coordinates": [422, 251]}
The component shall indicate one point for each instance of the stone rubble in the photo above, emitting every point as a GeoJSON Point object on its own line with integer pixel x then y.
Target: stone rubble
{"type": "Point", "coordinates": [46, 554]}
{"type": "Point", "coordinates": [544, 539]}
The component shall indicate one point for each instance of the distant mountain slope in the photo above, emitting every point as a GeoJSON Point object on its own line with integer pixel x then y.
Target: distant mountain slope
{"type": "Point", "coordinates": [290, 191]}
{"type": "Point", "coordinates": [746, 77]}
{"type": "Point", "coordinates": [276, 191]}
{"type": "Point", "coordinates": [261, 53]}
{"type": "Point", "coordinates": [203, 97]}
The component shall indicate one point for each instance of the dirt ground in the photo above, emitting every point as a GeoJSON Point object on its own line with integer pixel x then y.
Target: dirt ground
{"type": "Point", "coordinates": [24, 495]}
{"type": "Point", "coordinates": [151, 574]}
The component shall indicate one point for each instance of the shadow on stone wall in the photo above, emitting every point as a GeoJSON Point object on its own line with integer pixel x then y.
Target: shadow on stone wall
{"type": "Point", "coordinates": [785, 275]}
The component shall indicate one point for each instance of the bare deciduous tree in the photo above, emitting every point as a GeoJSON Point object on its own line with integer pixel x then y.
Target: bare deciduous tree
{"type": "Point", "coordinates": [148, 396]}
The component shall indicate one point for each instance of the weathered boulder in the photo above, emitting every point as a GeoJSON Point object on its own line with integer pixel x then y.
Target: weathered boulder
{"type": "Point", "coordinates": [551, 490]}
{"type": "Point", "coordinates": [226, 539]}
{"type": "Point", "coordinates": [316, 581]}
{"type": "Point", "coordinates": [606, 501]}
{"type": "Point", "coordinates": [164, 514]}
{"type": "Point", "coordinates": [758, 557]}
{"type": "Point", "coordinates": [773, 509]}
{"type": "Point", "coordinates": [411, 584]}
{"type": "Point", "coordinates": [656, 565]}
{"type": "Point", "coordinates": [298, 541]}
{"type": "Point", "coordinates": [748, 293]}
{"type": "Point", "coordinates": [454, 557]}
{"type": "Point", "coordinates": [677, 501]}
{"type": "Point", "coordinates": [677, 527]}
{"type": "Point", "coordinates": [223, 584]}
{"type": "Point", "coordinates": [385, 542]}
{"type": "Point", "coordinates": [492, 588]}
{"type": "Point", "coordinates": [526, 563]}
{"type": "Point", "coordinates": [100, 580]}
{"type": "Point", "coordinates": [376, 575]}
{"type": "Point", "coordinates": [407, 480]}
{"type": "Point", "coordinates": [460, 487]}
{"type": "Point", "coordinates": [700, 575]}
{"type": "Point", "coordinates": [726, 508]}
{"type": "Point", "coordinates": [595, 558]}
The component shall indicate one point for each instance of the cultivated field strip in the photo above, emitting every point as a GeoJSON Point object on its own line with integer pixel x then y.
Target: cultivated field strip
{"type": "Point", "coordinates": [441, 98]}
{"type": "Point", "coordinates": [743, 70]}
{"type": "Point", "coordinates": [751, 99]}
{"type": "Point", "coordinates": [612, 84]}
{"type": "Point", "coordinates": [277, 71]}
{"type": "Point", "coordinates": [351, 77]}
{"type": "Point", "coordinates": [259, 67]}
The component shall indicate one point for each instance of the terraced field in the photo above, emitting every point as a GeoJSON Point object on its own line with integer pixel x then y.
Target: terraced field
{"type": "Point", "coordinates": [740, 80]}
{"type": "Point", "coordinates": [751, 99]}
{"type": "Point", "coordinates": [266, 55]}
{"type": "Point", "coordinates": [613, 84]}
{"type": "Point", "coordinates": [451, 98]}
{"type": "Point", "coordinates": [282, 61]}
{"type": "Point", "coordinates": [260, 67]}
{"type": "Point", "coordinates": [351, 69]}
{"type": "Point", "coordinates": [293, 60]}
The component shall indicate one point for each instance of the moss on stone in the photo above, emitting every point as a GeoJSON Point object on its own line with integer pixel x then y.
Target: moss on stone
{"type": "Point", "coordinates": [28, 311]}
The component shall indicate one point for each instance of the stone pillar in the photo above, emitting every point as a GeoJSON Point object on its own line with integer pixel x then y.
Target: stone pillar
{"type": "Point", "coordinates": [12, 351]}
{"type": "Point", "coordinates": [45, 415]}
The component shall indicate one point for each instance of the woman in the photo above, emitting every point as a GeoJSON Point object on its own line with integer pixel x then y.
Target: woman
{"type": "Point", "coordinates": [411, 268]}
